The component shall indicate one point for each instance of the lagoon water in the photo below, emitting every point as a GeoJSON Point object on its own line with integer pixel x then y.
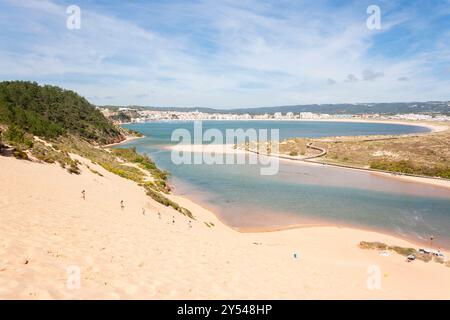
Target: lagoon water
{"type": "Point", "coordinates": [304, 194]}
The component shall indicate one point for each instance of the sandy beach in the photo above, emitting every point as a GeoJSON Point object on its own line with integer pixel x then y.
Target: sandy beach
{"type": "Point", "coordinates": [48, 230]}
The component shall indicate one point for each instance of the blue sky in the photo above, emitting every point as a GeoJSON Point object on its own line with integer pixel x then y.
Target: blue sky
{"type": "Point", "coordinates": [227, 54]}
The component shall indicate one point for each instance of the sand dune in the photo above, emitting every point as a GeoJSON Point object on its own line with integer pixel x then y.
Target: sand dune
{"type": "Point", "coordinates": [48, 231]}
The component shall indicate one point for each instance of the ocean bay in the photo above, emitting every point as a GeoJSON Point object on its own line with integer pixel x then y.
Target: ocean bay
{"type": "Point", "coordinates": [304, 194]}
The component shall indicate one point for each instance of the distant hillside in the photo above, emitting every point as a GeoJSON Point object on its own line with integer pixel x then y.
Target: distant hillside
{"type": "Point", "coordinates": [178, 109]}
{"type": "Point", "coordinates": [369, 108]}
{"type": "Point", "coordinates": [437, 107]}
{"type": "Point", "coordinates": [49, 111]}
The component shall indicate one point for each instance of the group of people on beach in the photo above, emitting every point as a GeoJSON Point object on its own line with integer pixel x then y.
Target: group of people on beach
{"type": "Point", "coordinates": [122, 206]}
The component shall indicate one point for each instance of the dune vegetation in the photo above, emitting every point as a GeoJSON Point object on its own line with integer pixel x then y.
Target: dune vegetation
{"type": "Point", "coordinates": [425, 154]}
{"type": "Point", "coordinates": [48, 124]}
{"type": "Point", "coordinates": [426, 257]}
{"type": "Point", "coordinates": [422, 154]}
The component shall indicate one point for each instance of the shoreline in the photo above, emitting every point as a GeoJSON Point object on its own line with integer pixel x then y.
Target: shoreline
{"type": "Point", "coordinates": [436, 182]}
{"type": "Point", "coordinates": [225, 149]}
{"type": "Point", "coordinates": [433, 127]}
{"type": "Point", "coordinates": [228, 149]}
{"type": "Point", "coordinates": [112, 247]}
{"type": "Point", "coordinates": [412, 242]}
{"type": "Point", "coordinates": [299, 226]}
{"type": "Point", "coordinates": [193, 204]}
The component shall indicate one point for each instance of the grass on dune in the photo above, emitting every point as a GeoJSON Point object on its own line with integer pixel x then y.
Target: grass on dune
{"type": "Point", "coordinates": [427, 154]}
{"type": "Point", "coordinates": [402, 251]}
{"type": "Point", "coordinates": [424, 154]}
{"type": "Point", "coordinates": [49, 124]}
{"type": "Point", "coordinates": [116, 161]}
{"type": "Point", "coordinates": [167, 202]}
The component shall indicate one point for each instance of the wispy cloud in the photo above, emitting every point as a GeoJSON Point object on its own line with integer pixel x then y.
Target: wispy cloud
{"type": "Point", "coordinates": [227, 53]}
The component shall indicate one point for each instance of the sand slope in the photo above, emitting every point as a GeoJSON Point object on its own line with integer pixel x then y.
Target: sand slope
{"type": "Point", "coordinates": [46, 227]}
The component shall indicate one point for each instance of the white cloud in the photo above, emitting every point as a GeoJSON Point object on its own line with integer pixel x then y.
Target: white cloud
{"type": "Point", "coordinates": [369, 75]}
{"type": "Point", "coordinates": [235, 54]}
{"type": "Point", "coordinates": [351, 78]}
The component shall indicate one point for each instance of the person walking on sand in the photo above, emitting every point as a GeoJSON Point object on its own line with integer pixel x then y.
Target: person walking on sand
{"type": "Point", "coordinates": [159, 215]}
{"type": "Point", "coordinates": [190, 224]}
{"type": "Point", "coordinates": [83, 194]}
{"type": "Point", "coordinates": [122, 205]}
{"type": "Point", "coordinates": [143, 211]}
{"type": "Point", "coordinates": [173, 219]}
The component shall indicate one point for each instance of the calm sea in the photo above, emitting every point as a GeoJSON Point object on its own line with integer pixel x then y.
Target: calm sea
{"type": "Point", "coordinates": [304, 194]}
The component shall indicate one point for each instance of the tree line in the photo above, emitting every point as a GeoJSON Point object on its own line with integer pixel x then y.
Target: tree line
{"type": "Point", "coordinates": [49, 112]}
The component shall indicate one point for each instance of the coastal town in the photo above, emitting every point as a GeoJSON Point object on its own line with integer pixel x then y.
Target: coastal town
{"type": "Point", "coordinates": [141, 115]}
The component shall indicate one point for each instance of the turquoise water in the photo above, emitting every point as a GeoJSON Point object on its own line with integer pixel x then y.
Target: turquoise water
{"type": "Point", "coordinates": [302, 193]}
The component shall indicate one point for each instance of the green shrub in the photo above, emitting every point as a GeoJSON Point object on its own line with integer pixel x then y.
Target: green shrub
{"type": "Point", "coordinates": [403, 251]}
{"type": "Point", "coordinates": [423, 256]}
{"type": "Point", "coordinates": [144, 162]}
{"type": "Point", "coordinates": [124, 171]}
{"type": "Point", "coordinates": [19, 154]}
{"type": "Point", "coordinates": [409, 167]}
{"type": "Point", "coordinates": [48, 154]}
{"type": "Point", "coordinates": [162, 186]}
{"type": "Point", "coordinates": [373, 245]}
{"type": "Point", "coordinates": [155, 195]}
{"type": "Point", "coordinates": [439, 260]}
{"type": "Point", "coordinates": [73, 168]}
{"type": "Point", "coordinates": [134, 133]}
{"type": "Point", "coordinates": [45, 154]}
{"type": "Point", "coordinates": [400, 250]}
{"type": "Point", "coordinates": [301, 143]}
{"type": "Point", "coordinates": [94, 171]}
{"type": "Point", "coordinates": [18, 136]}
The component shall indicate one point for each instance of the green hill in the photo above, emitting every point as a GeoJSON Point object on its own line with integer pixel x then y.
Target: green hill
{"type": "Point", "coordinates": [49, 112]}
{"type": "Point", "coordinates": [69, 124]}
